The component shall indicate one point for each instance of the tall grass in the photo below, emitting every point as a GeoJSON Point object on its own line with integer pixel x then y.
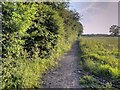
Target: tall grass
{"type": "Point", "coordinates": [101, 57]}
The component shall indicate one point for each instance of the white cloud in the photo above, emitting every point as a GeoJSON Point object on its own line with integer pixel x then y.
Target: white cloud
{"type": "Point", "coordinates": [94, 0]}
{"type": "Point", "coordinates": [97, 16]}
{"type": "Point", "coordinates": [87, 8]}
{"type": "Point", "coordinates": [100, 22]}
{"type": "Point", "coordinates": [93, 7]}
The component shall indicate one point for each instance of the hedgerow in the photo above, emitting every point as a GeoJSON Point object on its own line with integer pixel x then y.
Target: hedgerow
{"type": "Point", "coordinates": [34, 35]}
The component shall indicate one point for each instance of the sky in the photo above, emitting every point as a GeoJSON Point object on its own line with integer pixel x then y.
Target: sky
{"type": "Point", "coordinates": [96, 16]}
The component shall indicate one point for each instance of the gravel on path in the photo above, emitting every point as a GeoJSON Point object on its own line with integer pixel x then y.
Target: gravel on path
{"type": "Point", "coordinates": [66, 75]}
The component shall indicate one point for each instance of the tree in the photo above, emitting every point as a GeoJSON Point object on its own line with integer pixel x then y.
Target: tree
{"type": "Point", "coordinates": [115, 30]}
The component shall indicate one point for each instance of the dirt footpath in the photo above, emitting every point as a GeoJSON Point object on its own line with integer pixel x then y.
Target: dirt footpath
{"type": "Point", "coordinates": [66, 74]}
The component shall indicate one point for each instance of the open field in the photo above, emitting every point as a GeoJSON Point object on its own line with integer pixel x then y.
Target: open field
{"type": "Point", "coordinates": [100, 56]}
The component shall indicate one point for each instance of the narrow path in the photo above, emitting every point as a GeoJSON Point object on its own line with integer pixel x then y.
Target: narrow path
{"type": "Point", "coordinates": [66, 74]}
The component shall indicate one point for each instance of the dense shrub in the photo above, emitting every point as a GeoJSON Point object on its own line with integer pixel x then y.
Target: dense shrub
{"type": "Point", "coordinates": [16, 19]}
{"type": "Point", "coordinates": [34, 35]}
{"type": "Point", "coordinates": [45, 31]}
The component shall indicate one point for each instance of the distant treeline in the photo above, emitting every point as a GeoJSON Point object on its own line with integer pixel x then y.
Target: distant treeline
{"type": "Point", "coordinates": [99, 35]}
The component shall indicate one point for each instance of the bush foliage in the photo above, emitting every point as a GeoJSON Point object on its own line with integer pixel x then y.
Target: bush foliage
{"type": "Point", "coordinates": [34, 34]}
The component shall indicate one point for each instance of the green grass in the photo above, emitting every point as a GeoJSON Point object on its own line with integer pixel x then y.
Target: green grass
{"type": "Point", "coordinates": [100, 56]}
{"type": "Point", "coordinates": [24, 73]}
{"type": "Point", "coordinates": [88, 81]}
